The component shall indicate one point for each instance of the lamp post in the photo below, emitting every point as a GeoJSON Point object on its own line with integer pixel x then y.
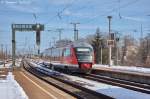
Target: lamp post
{"type": "Point", "coordinates": [109, 19]}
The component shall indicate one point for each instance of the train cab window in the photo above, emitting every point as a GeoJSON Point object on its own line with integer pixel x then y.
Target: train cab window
{"type": "Point", "coordinates": [67, 52]}
{"type": "Point", "coordinates": [84, 54]}
{"type": "Point", "coordinates": [83, 50]}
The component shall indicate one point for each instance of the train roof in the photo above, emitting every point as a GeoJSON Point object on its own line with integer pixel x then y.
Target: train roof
{"type": "Point", "coordinates": [73, 44]}
{"type": "Point", "coordinates": [81, 44]}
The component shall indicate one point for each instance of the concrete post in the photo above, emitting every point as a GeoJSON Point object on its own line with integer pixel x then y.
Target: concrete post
{"type": "Point", "coordinates": [13, 47]}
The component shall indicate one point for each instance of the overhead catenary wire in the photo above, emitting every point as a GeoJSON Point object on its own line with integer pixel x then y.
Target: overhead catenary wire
{"type": "Point", "coordinates": [113, 10]}
{"type": "Point", "coordinates": [58, 14]}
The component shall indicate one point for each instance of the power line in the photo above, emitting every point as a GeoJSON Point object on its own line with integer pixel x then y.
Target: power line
{"type": "Point", "coordinates": [83, 7]}
{"type": "Point", "coordinates": [58, 14]}
{"type": "Point", "coordinates": [114, 9]}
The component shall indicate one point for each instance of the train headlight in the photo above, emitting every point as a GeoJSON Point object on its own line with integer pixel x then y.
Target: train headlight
{"type": "Point", "coordinates": [91, 57]}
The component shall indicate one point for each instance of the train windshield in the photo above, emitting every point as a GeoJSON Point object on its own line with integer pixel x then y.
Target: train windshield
{"type": "Point", "coordinates": [84, 54]}
{"type": "Point", "coordinates": [83, 50]}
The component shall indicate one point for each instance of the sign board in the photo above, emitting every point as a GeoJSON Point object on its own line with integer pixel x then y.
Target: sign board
{"type": "Point", "coordinates": [38, 27]}
{"type": "Point", "coordinates": [28, 27]}
{"type": "Point", "coordinates": [110, 42]}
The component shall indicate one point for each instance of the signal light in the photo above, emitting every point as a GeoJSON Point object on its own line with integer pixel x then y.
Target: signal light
{"type": "Point", "coordinates": [112, 36]}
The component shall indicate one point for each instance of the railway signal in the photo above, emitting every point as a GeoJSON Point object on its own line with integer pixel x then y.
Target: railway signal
{"type": "Point", "coordinates": [110, 43]}
{"type": "Point", "coordinates": [25, 27]}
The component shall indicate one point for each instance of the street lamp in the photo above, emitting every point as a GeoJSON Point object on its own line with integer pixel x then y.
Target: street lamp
{"type": "Point", "coordinates": [109, 19]}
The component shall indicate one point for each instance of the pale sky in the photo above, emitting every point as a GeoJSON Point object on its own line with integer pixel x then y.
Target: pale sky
{"type": "Point", "coordinates": [128, 15]}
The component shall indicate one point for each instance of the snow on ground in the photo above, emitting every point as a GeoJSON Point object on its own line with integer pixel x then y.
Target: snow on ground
{"type": "Point", "coordinates": [127, 68]}
{"type": "Point", "coordinates": [6, 65]}
{"type": "Point", "coordinates": [10, 89]}
{"type": "Point", "coordinates": [9, 64]}
{"type": "Point", "coordinates": [114, 91]}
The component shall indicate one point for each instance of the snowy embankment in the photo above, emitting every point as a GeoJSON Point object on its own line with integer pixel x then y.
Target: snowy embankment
{"type": "Point", "coordinates": [125, 68]}
{"type": "Point", "coordinates": [10, 89]}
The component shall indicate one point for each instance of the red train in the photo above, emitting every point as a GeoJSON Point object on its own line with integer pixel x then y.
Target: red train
{"type": "Point", "coordinates": [75, 57]}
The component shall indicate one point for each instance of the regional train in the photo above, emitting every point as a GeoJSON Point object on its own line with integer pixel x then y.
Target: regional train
{"type": "Point", "coordinates": [75, 57]}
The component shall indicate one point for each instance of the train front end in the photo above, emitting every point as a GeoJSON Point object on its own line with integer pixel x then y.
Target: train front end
{"type": "Point", "coordinates": [85, 57]}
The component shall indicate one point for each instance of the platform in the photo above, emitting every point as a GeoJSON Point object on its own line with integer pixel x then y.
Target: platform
{"type": "Point", "coordinates": [37, 89]}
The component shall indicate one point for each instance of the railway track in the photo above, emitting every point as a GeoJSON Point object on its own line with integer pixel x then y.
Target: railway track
{"type": "Point", "coordinates": [117, 82]}
{"type": "Point", "coordinates": [144, 88]}
{"type": "Point", "coordinates": [67, 86]}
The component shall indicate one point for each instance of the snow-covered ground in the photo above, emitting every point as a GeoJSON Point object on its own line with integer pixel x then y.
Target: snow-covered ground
{"type": "Point", "coordinates": [125, 68]}
{"type": "Point", "coordinates": [6, 65]}
{"type": "Point", "coordinates": [9, 64]}
{"type": "Point", "coordinates": [114, 91]}
{"type": "Point", "coordinates": [10, 89]}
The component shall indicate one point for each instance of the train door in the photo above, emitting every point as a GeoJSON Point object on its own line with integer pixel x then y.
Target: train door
{"type": "Point", "coordinates": [67, 56]}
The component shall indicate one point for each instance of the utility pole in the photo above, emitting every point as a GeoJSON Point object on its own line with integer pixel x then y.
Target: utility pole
{"type": "Point", "coordinates": [109, 19]}
{"type": "Point", "coordinates": [5, 55]}
{"type": "Point", "coordinates": [101, 55]}
{"type": "Point", "coordinates": [13, 48]}
{"type": "Point", "coordinates": [141, 33]}
{"type": "Point", "coordinates": [75, 31]}
{"type": "Point", "coordinates": [117, 38]}
{"type": "Point", "coordinates": [50, 44]}
{"type": "Point", "coordinates": [54, 40]}
{"type": "Point", "coordinates": [6, 51]}
{"type": "Point", "coordinates": [60, 32]}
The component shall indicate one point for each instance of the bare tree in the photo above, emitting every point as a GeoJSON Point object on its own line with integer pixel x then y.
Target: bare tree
{"type": "Point", "coordinates": [99, 43]}
{"type": "Point", "coordinates": [129, 51]}
{"type": "Point", "coordinates": [144, 51]}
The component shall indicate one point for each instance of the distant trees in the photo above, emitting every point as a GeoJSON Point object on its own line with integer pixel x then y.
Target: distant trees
{"type": "Point", "coordinates": [129, 51]}
{"type": "Point", "coordinates": [144, 51]}
{"type": "Point", "coordinates": [98, 41]}
{"type": "Point", "coordinates": [135, 53]}
{"type": "Point", "coordinates": [3, 55]}
{"type": "Point", "coordinates": [97, 45]}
